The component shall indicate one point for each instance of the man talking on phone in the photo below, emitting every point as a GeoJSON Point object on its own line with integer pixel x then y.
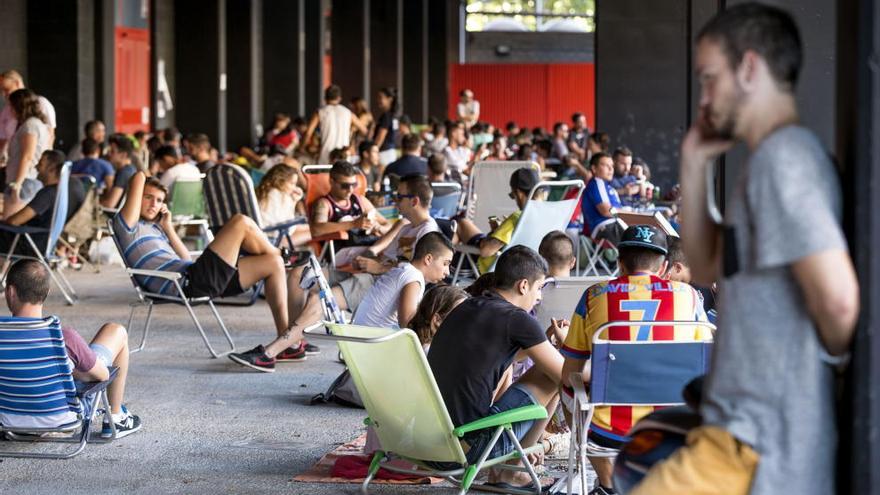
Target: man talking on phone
{"type": "Point", "coordinates": [149, 241]}
{"type": "Point", "coordinates": [788, 291]}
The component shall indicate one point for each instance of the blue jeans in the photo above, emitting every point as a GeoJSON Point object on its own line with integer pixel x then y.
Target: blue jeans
{"type": "Point", "coordinates": [516, 396]}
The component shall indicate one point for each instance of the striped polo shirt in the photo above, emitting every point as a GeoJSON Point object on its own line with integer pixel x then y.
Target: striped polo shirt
{"type": "Point", "coordinates": [145, 246]}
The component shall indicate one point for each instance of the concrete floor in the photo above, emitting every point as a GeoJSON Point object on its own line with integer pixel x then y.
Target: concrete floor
{"type": "Point", "coordinates": [210, 426]}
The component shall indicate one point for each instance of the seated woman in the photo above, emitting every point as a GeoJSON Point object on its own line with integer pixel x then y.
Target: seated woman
{"type": "Point", "coordinates": [436, 304]}
{"type": "Point", "coordinates": [280, 201]}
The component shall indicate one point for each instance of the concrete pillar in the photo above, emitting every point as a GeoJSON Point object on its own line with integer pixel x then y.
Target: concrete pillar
{"type": "Point", "coordinates": [200, 62]}
{"type": "Point", "coordinates": [244, 95]}
{"type": "Point", "coordinates": [350, 44]}
{"type": "Point", "coordinates": [386, 47]}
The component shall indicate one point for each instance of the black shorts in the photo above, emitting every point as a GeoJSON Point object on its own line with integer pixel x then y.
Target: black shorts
{"type": "Point", "coordinates": [210, 276]}
{"type": "Point", "coordinates": [603, 441]}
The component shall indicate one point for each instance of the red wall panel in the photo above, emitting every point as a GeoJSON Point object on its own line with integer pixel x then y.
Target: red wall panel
{"type": "Point", "coordinates": [530, 94]}
{"type": "Point", "coordinates": [132, 79]}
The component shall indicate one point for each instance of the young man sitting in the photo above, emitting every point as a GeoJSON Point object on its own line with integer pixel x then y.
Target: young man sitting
{"type": "Point", "coordinates": [173, 167]}
{"type": "Point", "coordinates": [121, 149]}
{"type": "Point", "coordinates": [92, 165]}
{"type": "Point", "coordinates": [390, 302]}
{"type": "Point", "coordinates": [38, 212]}
{"type": "Point", "coordinates": [521, 183]}
{"type": "Point", "coordinates": [27, 286]}
{"type": "Point", "coordinates": [365, 263]}
{"type": "Point", "coordinates": [144, 230]}
{"type": "Point", "coordinates": [600, 202]}
{"type": "Point", "coordinates": [558, 250]}
{"type": "Point", "coordinates": [477, 343]}
{"type": "Point", "coordinates": [639, 294]}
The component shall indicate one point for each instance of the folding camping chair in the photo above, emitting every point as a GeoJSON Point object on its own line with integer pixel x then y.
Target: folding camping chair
{"type": "Point", "coordinates": [539, 217]}
{"type": "Point", "coordinates": [229, 191]}
{"type": "Point", "coordinates": [46, 256]}
{"type": "Point", "coordinates": [488, 188]}
{"type": "Point", "coordinates": [408, 414]}
{"type": "Point", "coordinates": [36, 382]}
{"type": "Point", "coordinates": [187, 207]}
{"type": "Point", "coordinates": [633, 373]}
{"type": "Point", "coordinates": [560, 299]}
{"type": "Point", "coordinates": [148, 299]}
{"type": "Point", "coordinates": [317, 179]}
{"type": "Point", "coordinates": [447, 199]}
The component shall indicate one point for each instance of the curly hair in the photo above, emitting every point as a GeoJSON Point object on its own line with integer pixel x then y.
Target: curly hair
{"type": "Point", "coordinates": [275, 178]}
{"type": "Point", "coordinates": [26, 104]}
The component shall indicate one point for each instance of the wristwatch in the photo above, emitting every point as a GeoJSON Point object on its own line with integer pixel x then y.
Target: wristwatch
{"type": "Point", "coordinates": [13, 185]}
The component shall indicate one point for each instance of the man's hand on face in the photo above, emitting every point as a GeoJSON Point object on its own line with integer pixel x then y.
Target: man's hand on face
{"type": "Point", "coordinates": [700, 145]}
{"type": "Point", "coordinates": [164, 218]}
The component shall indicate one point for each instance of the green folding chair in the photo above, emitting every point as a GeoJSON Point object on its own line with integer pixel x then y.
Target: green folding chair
{"type": "Point", "coordinates": [407, 412]}
{"type": "Point", "coordinates": [187, 207]}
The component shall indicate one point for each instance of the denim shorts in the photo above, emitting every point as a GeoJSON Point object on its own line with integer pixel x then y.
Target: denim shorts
{"type": "Point", "coordinates": [105, 356]}
{"type": "Point", "coordinates": [515, 396]}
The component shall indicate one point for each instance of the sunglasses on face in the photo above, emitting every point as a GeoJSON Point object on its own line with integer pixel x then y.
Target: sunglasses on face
{"type": "Point", "coordinates": [398, 197]}
{"type": "Point", "coordinates": [346, 185]}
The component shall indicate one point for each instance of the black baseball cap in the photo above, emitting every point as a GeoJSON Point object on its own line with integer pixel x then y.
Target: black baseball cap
{"type": "Point", "coordinates": [646, 237]}
{"type": "Point", "coordinates": [524, 179]}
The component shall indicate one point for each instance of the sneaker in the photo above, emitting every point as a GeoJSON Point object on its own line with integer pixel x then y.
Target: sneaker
{"type": "Point", "coordinates": [255, 358]}
{"type": "Point", "coordinates": [124, 427]}
{"type": "Point", "coordinates": [297, 353]}
{"type": "Point", "coordinates": [312, 349]}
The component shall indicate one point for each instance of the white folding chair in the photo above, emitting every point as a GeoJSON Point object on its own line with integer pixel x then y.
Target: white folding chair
{"type": "Point", "coordinates": [488, 189]}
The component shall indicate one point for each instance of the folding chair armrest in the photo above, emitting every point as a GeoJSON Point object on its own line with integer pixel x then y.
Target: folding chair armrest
{"type": "Point", "coordinates": [154, 273]}
{"type": "Point", "coordinates": [84, 389]}
{"type": "Point", "coordinates": [109, 211]}
{"type": "Point", "coordinates": [580, 391]}
{"type": "Point", "coordinates": [524, 413]}
{"type": "Point", "coordinates": [336, 236]}
{"type": "Point", "coordinates": [285, 224]}
{"type": "Point", "coordinates": [23, 229]}
{"type": "Point", "coordinates": [464, 248]}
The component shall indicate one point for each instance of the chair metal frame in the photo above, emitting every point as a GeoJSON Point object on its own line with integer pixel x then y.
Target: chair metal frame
{"type": "Point", "coordinates": [580, 447]}
{"type": "Point", "coordinates": [148, 299]}
{"type": "Point", "coordinates": [67, 431]}
{"type": "Point", "coordinates": [47, 257]}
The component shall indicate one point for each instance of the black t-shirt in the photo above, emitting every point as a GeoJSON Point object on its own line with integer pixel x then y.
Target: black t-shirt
{"type": "Point", "coordinates": [389, 122]}
{"type": "Point", "coordinates": [473, 347]}
{"type": "Point", "coordinates": [205, 165]}
{"type": "Point", "coordinates": [123, 175]}
{"type": "Point", "coordinates": [44, 202]}
{"type": "Point", "coordinates": [407, 165]}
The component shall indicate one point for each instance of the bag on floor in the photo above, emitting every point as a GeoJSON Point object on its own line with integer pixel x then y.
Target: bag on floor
{"type": "Point", "coordinates": [342, 391]}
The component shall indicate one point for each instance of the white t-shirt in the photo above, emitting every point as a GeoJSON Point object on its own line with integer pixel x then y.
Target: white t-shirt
{"type": "Point", "coordinates": [278, 207]}
{"type": "Point", "coordinates": [405, 240]}
{"type": "Point", "coordinates": [457, 159]}
{"type": "Point", "coordinates": [379, 307]}
{"type": "Point", "coordinates": [335, 123]}
{"type": "Point", "coordinates": [186, 171]}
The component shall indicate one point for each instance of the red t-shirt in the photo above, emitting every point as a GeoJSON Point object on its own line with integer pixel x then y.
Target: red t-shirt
{"type": "Point", "coordinates": [78, 350]}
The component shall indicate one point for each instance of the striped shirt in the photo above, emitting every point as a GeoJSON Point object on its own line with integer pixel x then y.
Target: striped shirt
{"type": "Point", "coordinates": [146, 246]}
{"type": "Point", "coordinates": [637, 297]}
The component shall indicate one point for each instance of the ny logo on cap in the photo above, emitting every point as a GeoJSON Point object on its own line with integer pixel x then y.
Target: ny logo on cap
{"type": "Point", "coordinates": [644, 234]}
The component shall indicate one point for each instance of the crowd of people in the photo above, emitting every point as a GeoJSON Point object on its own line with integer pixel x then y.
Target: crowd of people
{"type": "Point", "coordinates": [487, 351]}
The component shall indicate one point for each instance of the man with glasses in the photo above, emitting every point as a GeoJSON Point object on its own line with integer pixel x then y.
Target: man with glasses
{"type": "Point", "coordinates": [522, 181]}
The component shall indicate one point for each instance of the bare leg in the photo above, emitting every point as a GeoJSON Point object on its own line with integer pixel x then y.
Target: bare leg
{"type": "Point", "coordinates": [252, 269]}
{"type": "Point", "coordinates": [312, 314]}
{"type": "Point", "coordinates": [546, 392]}
{"type": "Point", "coordinates": [466, 230]}
{"type": "Point", "coordinates": [114, 337]}
{"type": "Point", "coordinates": [240, 232]}
{"type": "Point", "coordinates": [604, 467]}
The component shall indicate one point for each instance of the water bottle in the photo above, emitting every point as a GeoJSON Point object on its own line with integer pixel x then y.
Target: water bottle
{"type": "Point", "coordinates": [657, 196]}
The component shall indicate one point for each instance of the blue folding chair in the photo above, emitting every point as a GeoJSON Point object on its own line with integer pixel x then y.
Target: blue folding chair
{"type": "Point", "coordinates": [447, 199]}
{"type": "Point", "coordinates": [633, 373]}
{"type": "Point", "coordinates": [37, 387]}
{"type": "Point", "coordinates": [47, 255]}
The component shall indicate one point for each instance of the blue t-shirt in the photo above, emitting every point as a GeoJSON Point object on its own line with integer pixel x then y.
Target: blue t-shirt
{"type": "Point", "coordinates": [96, 167]}
{"type": "Point", "coordinates": [598, 191]}
{"type": "Point", "coordinates": [623, 181]}
{"type": "Point", "coordinates": [407, 165]}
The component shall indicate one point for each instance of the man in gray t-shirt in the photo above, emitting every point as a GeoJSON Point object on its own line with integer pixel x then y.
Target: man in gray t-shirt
{"type": "Point", "coordinates": [788, 292]}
